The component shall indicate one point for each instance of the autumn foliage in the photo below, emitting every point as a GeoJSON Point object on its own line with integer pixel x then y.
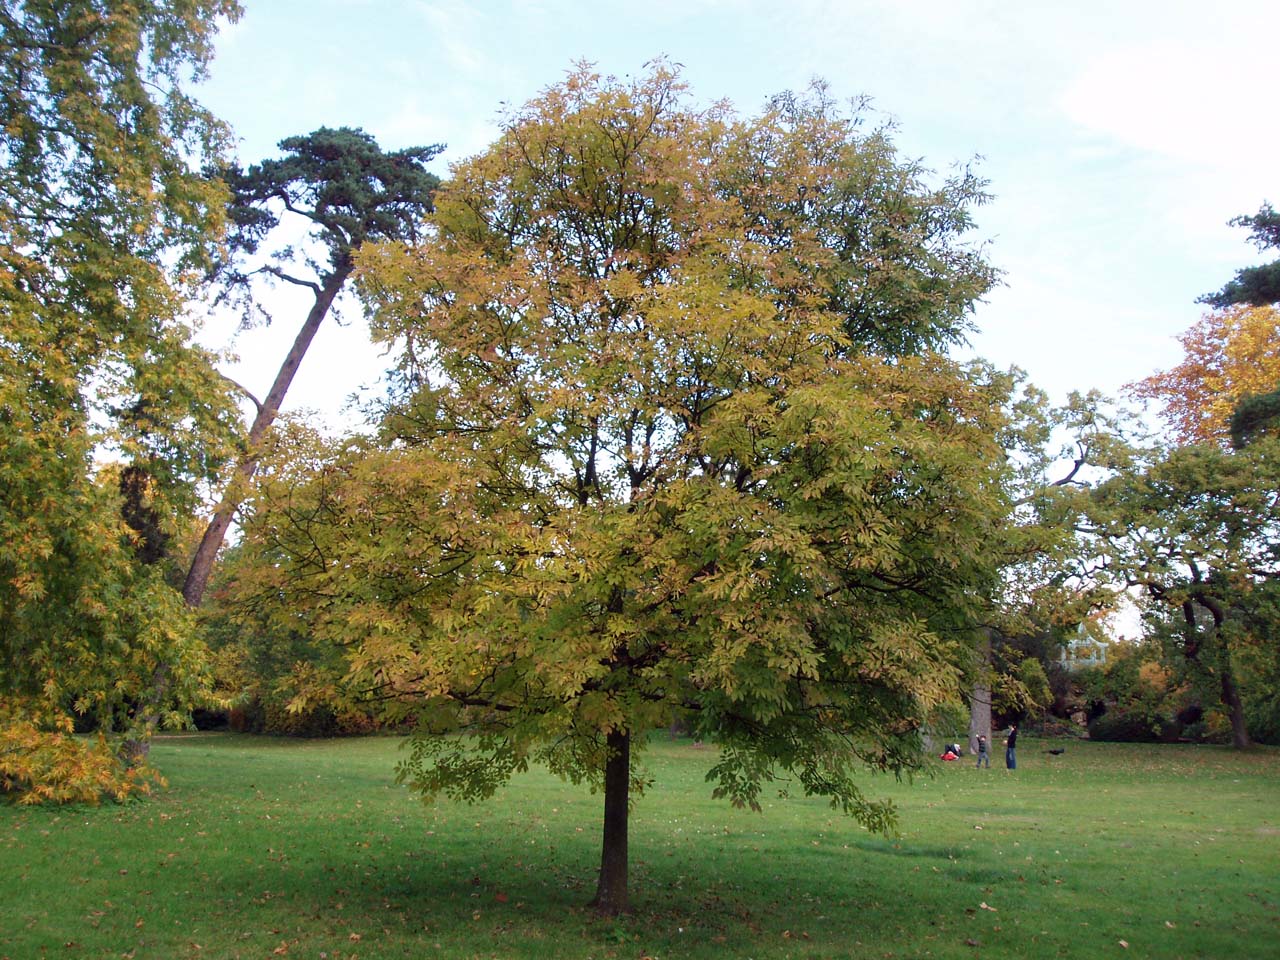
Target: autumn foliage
{"type": "Point", "coordinates": [39, 765]}
{"type": "Point", "coordinates": [672, 438]}
{"type": "Point", "coordinates": [111, 417]}
{"type": "Point", "coordinates": [1229, 356]}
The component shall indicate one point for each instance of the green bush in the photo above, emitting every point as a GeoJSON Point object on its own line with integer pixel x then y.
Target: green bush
{"type": "Point", "coordinates": [318, 721]}
{"type": "Point", "coordinates": [247, 717]}
{"type": "Point", "coordinates": [1122, 726]}
{"type": "Point", "coordinates": [1262, 714]}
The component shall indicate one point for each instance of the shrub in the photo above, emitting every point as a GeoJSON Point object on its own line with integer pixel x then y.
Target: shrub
{"type": "Point", "coordinates": [1121, 726]}
{"type": "Point", "coordinates": [1262, 714]}
{"type": "Point", "coordinates": [271, 715]}
{"type": "Point", "coordinates": [210, 718]}
{"type": "Point", "coordinates": [247, 717]}
{"type": "Point", "coordinates": [356, 724]}
{"type": "Point", "coordinates": [317, 721]}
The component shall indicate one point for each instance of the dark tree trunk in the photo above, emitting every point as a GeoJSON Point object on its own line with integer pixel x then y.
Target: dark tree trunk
{"type": "Point", "coordinates": [1235, 709]}
{"type": "Point", "coordinates": [202, 563]}
{"type": "Point", "coordinates": [152, 543]}
{"type": "Point", "coordinates": [1229, 691]}
{"type": "Point", "coordinates": [611, 889]}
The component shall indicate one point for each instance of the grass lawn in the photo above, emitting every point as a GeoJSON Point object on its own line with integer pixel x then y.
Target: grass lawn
{"type": "Point", "coordinates": [268, 848]}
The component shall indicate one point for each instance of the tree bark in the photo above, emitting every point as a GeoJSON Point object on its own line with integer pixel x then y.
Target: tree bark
{"type": "Point", "coordinates": [202, 563]}
{"type": "Point", "coordinates": [1235, 709]}
{"type": "Point", "coordinates": [611, 896]}
{"type": "Point", "coordinates": [980, 702]}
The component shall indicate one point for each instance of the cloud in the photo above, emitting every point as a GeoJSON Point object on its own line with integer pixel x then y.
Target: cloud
{"type": "Point", "coordinates": [1206, 105]}
{"type": "Point", "coordinates": [413, 123]}
{"type": "Point", "coordinates": [458, 34]}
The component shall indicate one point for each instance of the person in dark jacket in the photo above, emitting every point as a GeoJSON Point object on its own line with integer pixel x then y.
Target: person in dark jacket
{"type": "Point", "coordinates": [984, 754]}
{"type": "Point", "coordinates": [1010, 756]}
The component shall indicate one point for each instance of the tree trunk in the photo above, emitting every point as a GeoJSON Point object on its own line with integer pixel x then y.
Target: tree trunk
{"type": "Point", "coordinates": [202, 563]}
{"type": "Point", "coordinates": [1227, 684]}
{"type": "Point", "coordinates": [1235, 708]}
{"type": "Point", "coordinates": [611, 889]}
{"type": "Point", "coordinates": [980, 702]}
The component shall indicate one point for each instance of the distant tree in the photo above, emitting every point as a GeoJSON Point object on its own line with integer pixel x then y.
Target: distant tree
{"type": "Point", "coordinates": [1194, 528]}
{"type": "Point", "coordinates": [1257, 411]}
{"type": "Point", "coordinates": [1053, 454]}
{"type": "Point", "coordinates": [267, 663]}
{"type": "Point", "coordinates": [110, 417]}
{"type": "Point", "coordinates": [1253, 286]}
{"type": "Point", "coordinates": [350, 192]}
{"type": "Point", "coordinates": [669, 441]}
{"type": "Point", "coordinates": [1231, 357]}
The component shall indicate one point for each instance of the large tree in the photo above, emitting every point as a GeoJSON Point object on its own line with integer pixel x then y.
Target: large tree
{"type": "Point", "coordinates": [343, 187]}
{"type": "Point", "coordinates": [670, 440]}
{"type": "Point", "coordinates": [103, 221]}
{"type": "Point", "coordinates": [1194, 528]}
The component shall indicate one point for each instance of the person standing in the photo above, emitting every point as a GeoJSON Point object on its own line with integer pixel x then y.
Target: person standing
{"type": "Point", "coordinates": [984, 752]}
{"type": "Point", "coordinates": [1010, 744]}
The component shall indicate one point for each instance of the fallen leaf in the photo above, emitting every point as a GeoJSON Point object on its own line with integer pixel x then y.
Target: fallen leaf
{"type": "Point", "coordinates": [1125, 944]}
{"type": "Point", "coordinates": [983, 906]}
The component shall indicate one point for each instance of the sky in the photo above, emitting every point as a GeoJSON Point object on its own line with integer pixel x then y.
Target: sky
{"type": "Point", "coordinates": [1118, 137]}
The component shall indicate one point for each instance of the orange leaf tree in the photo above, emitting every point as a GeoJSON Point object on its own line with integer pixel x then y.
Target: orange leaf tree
{"type": "Point", "coordinates": [1229, 356]}
{"type": "Point", "coordinates": [1258, 412]}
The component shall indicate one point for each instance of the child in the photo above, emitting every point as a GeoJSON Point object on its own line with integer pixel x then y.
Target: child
{"type": "Point", "coordinates": [984, 754]}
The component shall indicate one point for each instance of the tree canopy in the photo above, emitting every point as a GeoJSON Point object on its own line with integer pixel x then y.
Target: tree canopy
{"type": "Point", "coordinates": [102, 222]}
{"type": "Point", "coordinates": [1231, 357]}
{"type": "Point", "coordinates": [1254, 286]}
{"type": "Point", "coordinates": [669, 440]}
{"type": "Point", "coordinates": [1256, 413]}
